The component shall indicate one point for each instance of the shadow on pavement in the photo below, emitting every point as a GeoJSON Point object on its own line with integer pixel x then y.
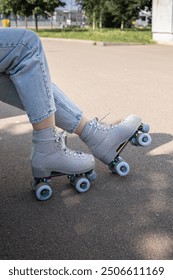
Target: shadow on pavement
{"type": "Point", "coordinates": [118, 218]}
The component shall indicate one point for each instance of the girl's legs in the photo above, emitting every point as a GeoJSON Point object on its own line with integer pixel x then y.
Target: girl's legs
{"type": "Point", "coordinates": [46, 123]}
{"type": "Point", "coordinates": [103, 140]}
{"type": "Point", "coordinates": [22, 58]}
{"type": "Point", "coordinates": [68, 116]}
{"type": "Point", "coordinates": [31, 79]}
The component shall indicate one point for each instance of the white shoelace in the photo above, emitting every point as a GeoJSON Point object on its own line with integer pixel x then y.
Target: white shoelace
{"type": "Point", "coordinates": [60, 139]}
{"type": "Point", "coordinates": [96, 123]}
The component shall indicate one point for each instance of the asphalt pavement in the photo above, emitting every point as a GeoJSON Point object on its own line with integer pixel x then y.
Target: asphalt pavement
{"type": "Point", "coordinates": [119, 218]}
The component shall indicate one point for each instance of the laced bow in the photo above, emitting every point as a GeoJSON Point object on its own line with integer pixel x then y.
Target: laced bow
{"type": "Point", "coordinates": [102, 126]}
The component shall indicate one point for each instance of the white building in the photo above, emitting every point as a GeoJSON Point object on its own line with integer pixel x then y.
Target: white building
{"type": "Point", "coordinates": [144, 18]}
{"type": "Point", "coordinates": [162, 20]}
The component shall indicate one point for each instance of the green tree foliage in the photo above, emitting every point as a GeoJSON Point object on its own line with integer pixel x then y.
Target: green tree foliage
{"type": "Point", "coordinates": [42, 7]}
{"type": "Point", "coordinates": [113, 12]}
{"type": "Point", "coordinates": [30, 7]}
{"type": "Point", "coordinates": [124, 11]}
{"type": "Point", "coordinates": [91, 8]}
{"type": "Point", "coordinates": [10, 6]}
{"type": "Point", "coordinates": [147, 3]}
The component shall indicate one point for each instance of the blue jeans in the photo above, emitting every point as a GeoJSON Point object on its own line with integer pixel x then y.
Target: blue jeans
{"type": "Point", "coordinates": [25, 80]}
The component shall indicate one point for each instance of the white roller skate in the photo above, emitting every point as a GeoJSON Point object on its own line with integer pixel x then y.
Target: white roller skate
{"type": "Point", "coordinates": [52, 158]}
{"type": "Point", "coordinates": [107, 141]}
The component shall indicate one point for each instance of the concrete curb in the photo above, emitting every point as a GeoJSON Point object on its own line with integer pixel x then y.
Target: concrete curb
{"type": "Point", "coordinates": [105, 44]}
{"type": "Point", "coordinates": [94, 43]}
{"type": "Point", "coordinates": [69, 40]}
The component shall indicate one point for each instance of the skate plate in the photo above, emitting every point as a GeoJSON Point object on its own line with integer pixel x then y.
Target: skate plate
{"type": "Point", "coordinates": [142, 138]}
{"type": "Point", "coordinates": [81, 182]}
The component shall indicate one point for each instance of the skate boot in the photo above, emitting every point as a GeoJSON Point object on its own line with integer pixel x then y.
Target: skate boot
{"type": "Point", "coordinates": [107, 141]}
{"type": "Point", "coordinates": [51, 158]}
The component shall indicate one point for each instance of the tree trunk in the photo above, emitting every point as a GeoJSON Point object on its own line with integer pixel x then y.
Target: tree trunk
{"type": "Point", "coordinates": [94, 20]}
{"type": "Point", "coordinates": [122, 24]}
{"type": "Point", "coordinates": [36, 22]}
{"type": "Point", "coordinates": [26, 22]}
{"type": "Point", "coordinates": [16, 23]}
{"type": "Point", "coordinates": [100, 20]}
{"type": "Point", "coordinates": [101, 14]}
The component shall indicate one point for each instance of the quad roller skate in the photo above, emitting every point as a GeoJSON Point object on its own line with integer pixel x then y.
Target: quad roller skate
{"type": "Point", "coordinates": [139, 138]}
{"type": "Point", "coordinates": [107, 141]}
{"type": "Point", "coordinates": [51, 158]}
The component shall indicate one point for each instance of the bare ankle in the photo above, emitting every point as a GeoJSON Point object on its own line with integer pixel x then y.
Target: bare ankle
{"type": "Point", "coordinates": [49, 122]}
{"type": "Point", "coordinates": [80, 127]}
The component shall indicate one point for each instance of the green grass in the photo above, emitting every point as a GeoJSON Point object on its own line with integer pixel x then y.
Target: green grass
{"type": "Point", "coordinates": [142, 36]}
